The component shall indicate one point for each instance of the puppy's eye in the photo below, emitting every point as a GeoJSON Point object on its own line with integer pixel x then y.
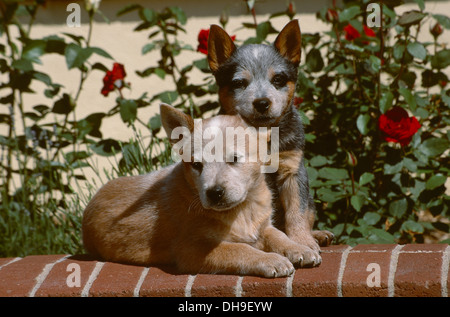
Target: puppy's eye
{"type": "Point", "coordinates": [279, 80]}
{"type": "Point", "coordinates": [239, 83]}
{"type": "Point", "coordinates": [197, 166]}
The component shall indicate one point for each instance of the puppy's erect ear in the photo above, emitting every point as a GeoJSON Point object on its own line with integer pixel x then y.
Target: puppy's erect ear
{"type": "Point", "coordinates": [289, 42]}
{"type": "Point", "coordinates": [220, 47]}
{"type": "Point", "coordinates": [172, 118]}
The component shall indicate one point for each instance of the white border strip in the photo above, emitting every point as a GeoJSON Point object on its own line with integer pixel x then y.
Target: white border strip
{"type": "Point", "coordinates": [393, 269]}
{"type": "Point", "coordinates": [10, 262]}
{"type": "Point", "coordinates": [342, 270]}
{"type": "Point", "coordinates": [238, 287]}
{"type": "Point", "coordinates": [444, 271]}
{"type": "Point", "coordinates": [289, 284]}
{"type": "Point", "coordinates": [41, 277]}
{"type": "Point", "coordinates": [92, 278]}
{"type": "Point", "coordinates": [137, 289]}
{"type": "Point", "coordinates": [189, 283]}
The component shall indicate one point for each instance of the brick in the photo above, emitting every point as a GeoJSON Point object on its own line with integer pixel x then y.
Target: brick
{"type": "Point", "coordinates": [55, 284]}
{"type": "Point", "coordinates": [163, 282]}
{"type": "Point", "coordinates": [419, 270]}
{"type": "Point", "coordinates": [116, 280]}
{"type": "Point", "coordinates": [253, 286]}
{"type": "Point", "coordinates": [354, 281]}
{"type": "Point", "coordinates": [19, 278]}
{"type": "Point", "coordinates": [5, 261]}
{"type": "Point", "coordinates": [321, 280]}
{"type": "Point", "coordinates": [214, 285]}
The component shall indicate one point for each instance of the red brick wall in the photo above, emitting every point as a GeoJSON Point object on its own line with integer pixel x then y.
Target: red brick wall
{"type": "Point", "coordinates": [364, 270]}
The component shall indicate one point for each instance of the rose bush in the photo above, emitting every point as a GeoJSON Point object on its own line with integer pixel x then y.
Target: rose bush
{"type": "Point", "coordinates": [374, 101]}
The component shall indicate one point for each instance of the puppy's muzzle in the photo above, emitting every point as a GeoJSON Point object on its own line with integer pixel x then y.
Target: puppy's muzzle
{"type": "Point", "coordinates": [262, 104]}
{"type": "Point", "coordinates": [215, 194]}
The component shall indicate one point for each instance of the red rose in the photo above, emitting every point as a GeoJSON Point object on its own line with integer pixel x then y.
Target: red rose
{"type": "Point", "coordinates": [113, 79]}
{"type": "Point", "coordinates": [203, 41]}
{"type": "Point", "coordinates": [397, 126]}
{"type": "Point", "coordinates": [297, 101]}
{"type": "Point", "coordinates": [351, 33]}
{"type": "Point", "coordinates": [368, 31]}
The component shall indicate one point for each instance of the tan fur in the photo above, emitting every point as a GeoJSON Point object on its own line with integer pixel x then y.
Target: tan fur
{"type": "Point", "coordinates": [158, 218]}
{"type": "Point", "coordinates": [297, 225]}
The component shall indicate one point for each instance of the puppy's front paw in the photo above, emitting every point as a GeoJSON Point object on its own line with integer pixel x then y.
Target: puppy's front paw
{"type": "Point", "coordinates": [323, 237]}
{"type": "Point", "coordinates": [303, 256]}
{"type": "Point", "coordinates": [274, 265]}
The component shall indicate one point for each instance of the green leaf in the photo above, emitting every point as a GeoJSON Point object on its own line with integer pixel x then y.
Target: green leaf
{"type": "Point", "coordinates": [318, 160]}
{"type": "Point", "coordinates": [421, 4]}
{"type": "Point", "coordinates": [349, 13]}
{"type": "Point", "coordinates": [23, 65]}
{"type": "Point", "coordinates": [128, 8]}
{"type": "Point", "coordinates": [76, 55]}
{"type": "Point", "coordinates": [381, 236]}
{"type": "Point", "coordinates": [168, 96]}
{"type": "Point", "coordinates": [409, 98]}
{"type": "Point", "coordinates": [413, 226]}
{"type": "Point", "coordinates": [398, 208]}
{"type": "Point", "coordinates": [160, 73]}
{"type": "Point", "coordinates": [179, 13]}
{"type": "Point", "coordinates": [386, 101]}
{"type": "Point", "coordinates": [106, 147]}
{"type": "Point", "coordinates": [362, 123]}
{"type": "Point", "coordinates": [327, 195]}
{"type": "Point", "coordinates": [441, 59]}
{"type": "Point", "coordinates": [147, 48]}
{"type": "Point", "coordinates": [155, 123]}
{"type": "Point", "coordinates": [98, 51]}
{"type": "Point", "coordinates": [417, 50]}
{"type": "Point", "coordinates": [128, 110]}
{"type": "Point", "coordinates": [149, 15]}
{"type": "Point", "coordinates": [366, 178]}
{"type": "Point", "coordinates": [63, 105]}
{"type": "Point", "coordinates": [314, 61]}
{"type": "Point", "coordinates": [410, 18]}
{"type": "Point", "coordinates": [33, 50]}
{"type": "Point", "coordinates": [371, 218]}
{"type": "Point", "coordinates": [263, 29]}
{"type": "Point", "coordinates": [434, 146]}
{"type": "Point", "coordinates": [435, 181]}
{"type": "Point", "coordinates": [333, 173]}
{"type": "Point", "coordinates": [357, 201]}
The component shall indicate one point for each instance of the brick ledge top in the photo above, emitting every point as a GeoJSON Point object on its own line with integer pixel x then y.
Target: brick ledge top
{"type": "Point", "coordinates": [364, 270]}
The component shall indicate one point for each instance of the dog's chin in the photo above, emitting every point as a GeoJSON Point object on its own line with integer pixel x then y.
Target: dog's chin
{"type": "Point", "coordinates": [261, 120]}
{"type": "Point", "coordinates": [223, 206]}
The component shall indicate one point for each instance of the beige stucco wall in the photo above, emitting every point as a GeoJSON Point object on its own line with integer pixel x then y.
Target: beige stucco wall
{"type": "Point", "coordinates": [118, 38]}
{"type": "Point", "coordinates": [124, 45]}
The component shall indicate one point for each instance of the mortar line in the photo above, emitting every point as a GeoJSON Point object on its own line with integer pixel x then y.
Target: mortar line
{"type": "Point", "coordinates": [238, 287]}
{"type": "Point", "coordinates": [137, 289]}
{"type": "Point", "coordinates": [189, 283]}
{"type": "Point", "coordinates": [43, 275]}
{"type": "Point", "coordinates": [10, 262]}
{"type": "Point", "coordinates": [289, 281]}
{"type": "Point", "coordinates": [95, 272]}
{"type": "Point", "coordinates": [393, 269]}
{"type": "Point", "coordinates": [444, 271]}
{"type": "Point", "coordinates": [342, 270]}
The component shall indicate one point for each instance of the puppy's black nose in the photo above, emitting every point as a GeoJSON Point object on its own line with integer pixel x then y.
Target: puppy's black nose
{"type": "Point", "coordinates": [261, 104]}
{"type": "Point", "coordinates": [215, 193]}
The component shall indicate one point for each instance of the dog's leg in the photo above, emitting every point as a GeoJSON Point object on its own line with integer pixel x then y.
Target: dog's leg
{"type": "Point", "coordinates": [294, 196]}
{"type": "Point", "coordinates": [277, 241]}
{"type": "Point", "coordinates": [234, 258]}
